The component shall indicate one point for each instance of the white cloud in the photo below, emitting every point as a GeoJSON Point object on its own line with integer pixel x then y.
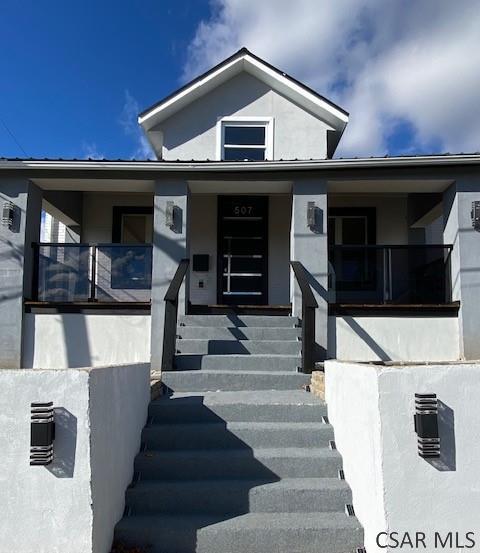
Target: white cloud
{"type": "Point", "coordinates": [401, 61]}
{"type": "Point", "coordinates": [130, 126]}
{"type": "Point", "coordinates": [90, 151]}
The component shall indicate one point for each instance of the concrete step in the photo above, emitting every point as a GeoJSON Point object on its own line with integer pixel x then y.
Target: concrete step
{"type": "Point", "coordinates": [262, 464]}
{"type": "Point", "coordinates": [204, 381]}
{"type": "Point", "coordinates": [258, 406]}
{"type": "Point", "coordinates": [236, 497]}
{"type": "Point", "coordinates": [227, 321]}
{"type": "Point", "coordinates": [236, 435]}
{"type": "Point", "coordinates": [265, 362]}
{"type": "Point", "coordinates": [249, 533]}
{"type": "Point", "coordinates": [237, 333]}
{"type": "Point", "coordinates": [246, 347]}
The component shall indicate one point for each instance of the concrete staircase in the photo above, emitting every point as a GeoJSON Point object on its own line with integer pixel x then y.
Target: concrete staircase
{"type": "Point", "coordinates": [237, 457]}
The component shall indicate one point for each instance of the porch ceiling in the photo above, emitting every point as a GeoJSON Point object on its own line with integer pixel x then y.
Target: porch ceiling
{"type": "Point", "coordinates": [240, 187]}
{"type": "Point", "coordinates": [95, 185]}
{"type": "Point", "coordinates": [383, 186]}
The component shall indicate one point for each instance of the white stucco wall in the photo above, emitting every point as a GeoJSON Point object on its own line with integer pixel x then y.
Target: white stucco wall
{"type": "Point", "coordinates": [119, 398]}
{"type": "Point", "coordinates": [393, 338]}
{"type": "Point", "coordinates": [394, 489]}
{"type": "Point", "coordinates": [357, 437]}
{"type": "Point", "coordinates": [191, 133]}
{"type": "Point", "coordinates": [391, 209]}
{"type": "Point", "coordinates": [72, 504]}
{"type": "Point", "coordinates": [78, 340]}
{"type": "Point", "coordinates": [98, 211]}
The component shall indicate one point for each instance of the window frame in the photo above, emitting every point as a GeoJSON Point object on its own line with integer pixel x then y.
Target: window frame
{"type": "Point", "coordinates": [242, 121]}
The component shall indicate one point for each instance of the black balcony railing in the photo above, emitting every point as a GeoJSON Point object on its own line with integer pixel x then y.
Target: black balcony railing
{"type": "Point", "coordinates": [68, 273]}
{"type": "Point", "coordinates": [413, 274]}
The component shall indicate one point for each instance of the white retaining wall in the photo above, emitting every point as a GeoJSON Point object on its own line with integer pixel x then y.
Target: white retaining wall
{"type": "Point", "coordinates": [394, 489]}
{"type": "Point", "coordinates": [393, 338]}
{"type": "Point", "coordinates": [77, 340]}
{"type": "Point", "coordinates": [73, 504]}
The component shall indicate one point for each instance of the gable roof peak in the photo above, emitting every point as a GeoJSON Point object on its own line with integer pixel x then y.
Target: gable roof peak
{"type": "Point", "coordinates": [245, 60]}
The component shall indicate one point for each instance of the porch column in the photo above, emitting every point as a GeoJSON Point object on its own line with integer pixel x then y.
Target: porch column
{"type": "Point", "coordinates": [16, 263]}
{"type": "Point", "coordinates": [169, 247]}
{"type": "Point", "coordinates": [465, 259]}
{"type": "Point", "coordinates": [309, 245]}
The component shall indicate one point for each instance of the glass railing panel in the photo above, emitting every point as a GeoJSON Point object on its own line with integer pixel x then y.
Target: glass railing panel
{"type": "Point", "coordinates": [123, 272]}
{"type": "Point", "coordinates": [389, 274]}
{"type": "Point", "coordinates": [63, 272]}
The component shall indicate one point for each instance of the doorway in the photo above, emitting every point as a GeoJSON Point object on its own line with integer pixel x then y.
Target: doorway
{"type": "Point", "coordinates": [242, 268]}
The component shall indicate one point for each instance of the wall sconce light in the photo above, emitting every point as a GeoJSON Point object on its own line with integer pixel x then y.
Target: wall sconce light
{"type": "Point", "coordinates": [170, 214]}
{"type": "Point", "coordinates": [42, 433]}
{"type": "Point", "coordinates": [311, 215]}
{"type": "Point", "coordinates": [426, 425]}
{"type": "Point", "coordinates": [8, 213]}
{"type": "Point", "coordinates": [475, 214]}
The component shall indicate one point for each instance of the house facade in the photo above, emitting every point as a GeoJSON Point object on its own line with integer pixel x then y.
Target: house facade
{"type": "Point", "coordinates": [228, 269]}
{"type": "Point", "coordinates": [244, 184]}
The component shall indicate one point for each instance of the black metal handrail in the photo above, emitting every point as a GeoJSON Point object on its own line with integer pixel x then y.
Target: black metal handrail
{"type": "Point", "coordinates": [171, 315]}
{"type": "Point", "coordinates": [309, 304]}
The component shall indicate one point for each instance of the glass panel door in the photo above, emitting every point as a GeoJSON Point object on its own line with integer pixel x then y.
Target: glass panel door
{"type": "Point", "coordinates": [242, 250]}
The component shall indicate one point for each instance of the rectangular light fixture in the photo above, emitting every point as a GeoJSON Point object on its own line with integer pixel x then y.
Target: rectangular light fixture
{"type": "Point", "coordinates": [475, 214]}
{"type": "Point", "coordinates": [426, 425]}
{"type": "Point", "coordinates": [8, 213]}
{"type": "Point", "coordinates": [170, 214]}
{"type": "Point", "coordinates": [42, 433]}
{"type": "Point", "coordinates": [311, 222]}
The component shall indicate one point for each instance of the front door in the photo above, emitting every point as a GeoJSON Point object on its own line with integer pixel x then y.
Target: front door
{"type": "Point", "coordinates": [242, 250]}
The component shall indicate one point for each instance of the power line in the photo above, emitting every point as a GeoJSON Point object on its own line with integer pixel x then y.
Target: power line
{"type": "Point", "coordinates": [13, 137]}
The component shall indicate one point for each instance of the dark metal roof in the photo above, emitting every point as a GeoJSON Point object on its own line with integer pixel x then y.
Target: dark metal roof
{"type": "Point", "coordinates": [253, 162]}
{"type": "Point", "coordinates": [226, 61]}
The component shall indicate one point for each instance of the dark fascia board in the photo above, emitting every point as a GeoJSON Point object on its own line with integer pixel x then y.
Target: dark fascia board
{"type": "Point", "coordinates": [242, 52]}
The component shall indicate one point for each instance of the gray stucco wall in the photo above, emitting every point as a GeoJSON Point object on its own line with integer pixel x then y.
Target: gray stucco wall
{"type": "Point", "coordinates": [191, 133]}
{"type": "Point", "coordinates": [310, 247]}
{"type": "Point", "coordinates": [391, 210]}
{"type": "Point", "coordinates": [169, 247]}
{"type": "Point", "coordinates": [203, 240]}
{"type": "Point", "coordinates": [16, 264]}
{"type": "Point", "coordinates": [279, 221]}
{"type": "Point", "coordinates": [465, 259]}
{"type": "Point", "coordinates": [98, 210]}
{"type": "Point", "coordinates": [69, 203]}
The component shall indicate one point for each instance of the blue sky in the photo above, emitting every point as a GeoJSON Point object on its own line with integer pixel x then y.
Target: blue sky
{"type": "Point", "coordinates": [75, 74]}
{"type": "Point", "coordinates": [69, 70]}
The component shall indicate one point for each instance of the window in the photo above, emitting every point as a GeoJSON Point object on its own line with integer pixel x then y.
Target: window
{"type": "Point", "coordinates": [132, 225]}
{"type": "Point", "coordinates": [245, 139]}
{"type": "Point", "coordinates": [351, 226]}
{"type": "Point", "coordinates": [136, 229]}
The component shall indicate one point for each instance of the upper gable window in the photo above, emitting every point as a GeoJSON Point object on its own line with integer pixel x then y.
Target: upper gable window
{"type": "Point", "coordinates": [242, 139]}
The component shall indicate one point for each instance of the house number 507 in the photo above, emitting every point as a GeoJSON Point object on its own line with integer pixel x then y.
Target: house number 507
{"type": "Point", "coordinates": [243, 210]}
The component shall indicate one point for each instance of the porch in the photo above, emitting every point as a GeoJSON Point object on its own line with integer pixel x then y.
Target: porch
{"type": "Point", "coordinates": [376, 293]}
{"type": "Point", "coordinates": [379, 266]}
